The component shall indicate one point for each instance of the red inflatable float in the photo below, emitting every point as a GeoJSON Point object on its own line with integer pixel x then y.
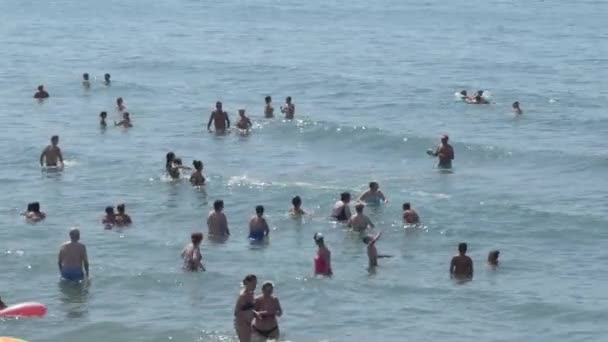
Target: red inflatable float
{"type": "Point", "coordinates": [29, 309]}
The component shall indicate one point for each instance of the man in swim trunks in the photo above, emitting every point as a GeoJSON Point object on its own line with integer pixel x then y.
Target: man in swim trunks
{"type": "Point", "coordinates": [410, 216]}
{"type": "Point", "coordinates": [120, 105]}
{"type": "Point", "coordinates": [373, 195]}
{"type": "Point", "coordinates": [289, 109]}
{"type": "Point", "coordinates": [73, 258]}
{"type": "Point", "coordinates": [258, 226]}
{"type": "Point", "coordinates": [341, 210]}
{"type": "Point", "coordinates": [41, 93]}
{"type": "Point", "coordinates": [268, 110]}
{"type": "Point", "coordinates": [360, 222]}
{"type": "Point", "coordinates": [106, 79]}
{"type": "Point", "coordinates": [461, 266]}
{"type": "Point", "coordinates": [219, 118]}
{"type": "Point", "coordinates": [445, 153]}
{"type": "Point", "coordinates": [85, 80]}
{"type": "Point", "coordinates": [51, 154]}
{"type": "Point", "coordinates": [217, 223]}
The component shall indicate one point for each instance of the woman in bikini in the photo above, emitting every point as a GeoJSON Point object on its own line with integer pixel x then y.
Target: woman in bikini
{"type": "Point", "coordinates": [269, 308]}
{"type": "Point", "coordinates": [244, 312]}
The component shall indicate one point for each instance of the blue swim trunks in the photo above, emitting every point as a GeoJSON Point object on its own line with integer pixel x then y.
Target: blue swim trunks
{"type": "Point", "coordinates": [256, 235]}
{"type": "Point", "coordinates": [72, 273]}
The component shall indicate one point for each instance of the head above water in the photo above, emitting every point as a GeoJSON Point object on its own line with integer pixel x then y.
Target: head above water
{"type": "Point", "coordinates": [359, 208]}
{"type": "Point", "coordinates": [119, 101]}
{"type": "Point", "coordinates": [198, 165]}
{"type": "Point", "coordinates": [288, 99]}
{"type": "Point", "coordinates": [345, 197]}
{"type": "Point", "coordinates": [55, 139]}
{"type": "Point", "coordinates": [218, 205]}
{"type": "Point", "coordinates": [267, 288]}
{"type": "Point", "coordinates": [41, 88]}
{"type": "Point", "coordinates": [259, 210]}
{"type": "Point", "coordinates": [170, 157]}
{"type": "Point", "coordinates": [33, 207]}
{"type": "Point", "coordinates": [241, 112]}
{"type": "Point", "coordinates": [296, 201]}
{"type": "Point", "coordinates": [407, 206]}
{"type": "Point", "coordinates": [268, 99]}
{"type": "Point", "coordinates": [250, 280]}
{"type": "Point", "coordinates": [445, 138]}
{"type": "Point", "coordinates": [218, 105]}
{"type": "Point", "coordinates": [463, 93]}
{"type": "Point", "coordinates": [516, 104]}
{"type": "Point", "coordinates": [109, 210]}
{"type": "Point", "coordinates": [319, 240]}
{"type": "Point", "coordinates": [480, 93]}
{"type": "Point", "coordinates": [85, 76]}
{"type": "Point", "coordinates": [121, 208]}
{"type": "Point", "coordinates": [125, 115]}
{"type": "Point", "coordinates": [374, 186]}
{"type": "Point", "coordinates": [462, 247]}
{"type": "Point", "coordinates": [74, 234]}
{"type": "Point", "coordinates": [103, 115]}
{"type": "Point", "coordinates": [106, 77]}
{"type": "Point", "coordinates": [366, 240]}
{"type": "Point", "coordinates": [493, 257]}
{"type": "Point", "coordinates": [196, 238]}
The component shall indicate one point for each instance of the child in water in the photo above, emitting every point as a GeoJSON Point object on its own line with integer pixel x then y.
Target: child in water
{"type": "Point", "coordinates": [516, 109]}
{"type": "Point", "coordinates": [197, 178]}
{"type": "Point", "coordinates": [493, 258]}
{"type": "Point", "coordinates": [372, 252]}
{"type": "Point", "coordinates": [192, 253]}
{"type": "Point", "coordinates": [125, 122]}
{"type": "Point", "coordinates": [109, 219]}
{"type": "Point", "coordinates": [33, 213]}
{"type": "Point", "coordinates": [297, 210]}
{"type": "Point", "coordinates": [102, 119]}
{"type": "Point", "coordinates": [122, 219]}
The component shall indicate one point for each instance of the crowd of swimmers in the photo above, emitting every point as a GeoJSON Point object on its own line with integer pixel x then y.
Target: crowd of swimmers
{"type": "Point", "coordinates": [254, 315]}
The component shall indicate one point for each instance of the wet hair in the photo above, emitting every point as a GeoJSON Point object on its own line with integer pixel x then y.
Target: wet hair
{"type": "Point", "coordinates": [121, 208]}
{"type": "Point", "coordinates": [373, 184]}
{"type": "Point", "coordinates": [74, 234]}
{"type": "Point", "coordinates": [170, 158]}
{"type": "Point", "coordinates": [268, 99]}
{"type": "Point", "coordinates": [198, 165]}
{"type": "Point", "coordinates": [119, 99]}
{"type": "Point", "coordinates": [177, 161]}
{"type": "Point", "coordinates": [345, 196]}
{"type": "Point", "coordinates": [41, 87]}
{"type": "Point", "coordinates": [249, 278]}
{"type": "Point", "coordinates": [196, 237]}
{"type": "Point", "coordinates": [218, 205]}
{"type": "Point", "coordinates": [218, 103]}
{"type": "Point", "coordinates": [479, 93]}
{"type": "Point", "coordinates": [259, 209]}
{"type": "Point", "coordinates": [462, 247]}
{"type": "Point", "coordinates": [109, 210]}
{"type": "Point", "coordinates": [493, 256]}
{"type": "Point", "coordinates": [85, 76]}
{"type": "Point", "coordinates": [516, 104]}
{"type": "Point", "coordinates": [296, 201]}
{"type": "Point", "coordinates": [34, 206]}
{"type": "Point", "coordinates": [359, 207]}
{"type": "Point", "coordinates": [103, 114]}
{"type": "Point", "coordinates": [366, 240]}
{"type": "Point", "coordinates": [288, 99]}
{"type": "Point", "coordinates": [318, 237]}
{"type": "Point", "coordinates": [463, 93]}
{"type": "Point", "coordinates": [445, 137]}
{"type": "Point", "coordinates": [407, 206]}
{"type": "Point", "coordinates": [125, 114]}
{"type": "Point", "coordinates": [107, 76]}
{"type": "Point", "coordinates": [267, 284]}
{"type": "Point", "coordinates": [54, 137]}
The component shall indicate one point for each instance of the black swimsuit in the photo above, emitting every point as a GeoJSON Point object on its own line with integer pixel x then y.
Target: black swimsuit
{"type": "Point", "coordinates": [265, 333]}
{"type": "Point", "coordinates": [342, 215]}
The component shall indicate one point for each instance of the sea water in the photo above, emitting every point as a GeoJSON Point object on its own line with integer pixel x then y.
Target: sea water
{"type": "Point", "coordinates": [373, 84]}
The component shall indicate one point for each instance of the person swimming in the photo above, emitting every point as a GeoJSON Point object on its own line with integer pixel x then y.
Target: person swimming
{"type": "Point", "coordinates": [268, 308]}
{"type": "Point", "coordinates": [341, 210]}
{"type": "Point", "coordinates": [106, 79]}
{"type": "Point", "coordinates": [444, 153]}
{"type": "Point", "coordinates": [217, 223]}
{"type": "Point", "coordinates": [493, 258]}
{"type": "Point", "coordinates": [51, 154]}
{"type": "Point", "coordinates": [410, 216]}
{"type": "Point", "coordinates": [197, 178]}
{"type": "Point", "coordinates": [192, 254]}
{"type": "Point", "coordinates": [296, 211]}
{"type": "Point", "coordinates": [219, 118]}
{"type": "Point", "coordinates": [360, 222]}
{"type": "Point", "coordinates": [244, 122]}
{"type": "Point", "coordinates": [109, 219]}
{"type": "Point", "coordinates": [323, 257]}
{"type": "Point", "coordinates": [258, 226]}
{"type": "Point", "coordinates": [41, 93]}
{"type": "Point", "coordinates": [125, 122]}
{"type": "Point", "coordinates": [461, 266]}
{"type": "Point", "coordinates": [289, 109]}
{"type": "Point", "coordinates": [33, 213]}
{"type": "Point", "coordinates": [373, 195]}
{"type": "Point", "coordinates": [73, 258]}
{"type": "Point", "coordinates": [85, 81]}
{"type": "Point", "coordinates": [102, 119]}
{"type": "Point", "coordinates": [122, 219]}
{"type": "Point", "coordinates": [244, 309]}
{"type": "Point", "coordinates": [268, 110]}
{"type": "Point", "coordinates": [516, 109]}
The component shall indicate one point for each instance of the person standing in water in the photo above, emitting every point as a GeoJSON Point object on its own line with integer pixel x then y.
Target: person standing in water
{"type": "Point", "coordinates": [33, 213]}
{"type": "Point", "coordinates": [125, 122]}
{"type": "Point", "coordinates": [360, 222]}
{"type": "Point", "coordinates": [444, 153]}
{"type": "Point", "coordinates": [85, 81]}
{"type": "Point", "coordinates": [41, 93]}
{"type": "Point", "coordinates": [109, 219]}
{"type": "Point", "coordinates": [120, 105]}
{"type": "Point", "coordinates": [102, 119]}
{"type": "Point", "coordinates": [197, 178]}
{"type": "Point", "coordinates": [373, 195]}
{"type": "Point", "coordinates": [341, 210]}
{"type": "Point", "coordinates": [372, 252]}
{"type": "Point", "coordinates": [258, 226]}
{"type": "Point", "coordinates": [217, 223]}
{"type": "Point", "coordinates": [122, 219]}
{"type": "Point", "coordinates": [244, 309]}
{"type": "Point", "coordinates": [516, 109]}
{"type": "Point", "coordinates": [192, 254]}
{"type": "Point", "coordinates": [461, 266]}
{"type": "Point", "coordinates": [51, 154]}
{"type": "Point", "coordinates": [244, 122]}
{"type": "Point", "coordinates": [268, 309]}
{"type": "Point", "coordinates": [219, 118]}
{"type": "Point", "coordinates": [410, 216]}
{"type": "Point", "coordinates": [73, 258]}
{"type": "Point", "coordinates": [106, 79]}
{"type": "Point", "coordinates": [296, 211]}
{"type": "Point", "coordinates": [493, 258]}
{"type": "Point", "coordinates": [289, 109]}
{"type": "Point", "coordinates": [268, 109]}
{"type": "Point", "coordinates": [323, 257]}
